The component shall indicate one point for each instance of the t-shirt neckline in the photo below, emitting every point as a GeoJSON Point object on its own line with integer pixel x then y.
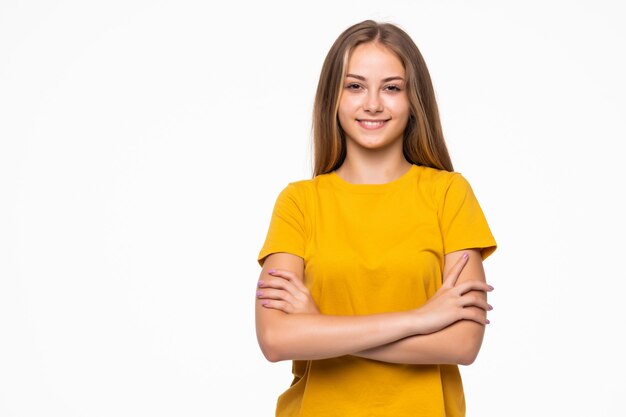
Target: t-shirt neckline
{"type": "Point", "coordinates": [373, 188]}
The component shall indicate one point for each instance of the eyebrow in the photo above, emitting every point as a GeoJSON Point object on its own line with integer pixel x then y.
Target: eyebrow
{"type": "Point", "coordinates": [362, 78]}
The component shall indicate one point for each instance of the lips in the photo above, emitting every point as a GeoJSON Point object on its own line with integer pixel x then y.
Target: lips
{"type": "Point", "coordinates": [371, 124]}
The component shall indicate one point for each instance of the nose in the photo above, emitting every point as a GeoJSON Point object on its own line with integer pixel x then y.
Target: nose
{"type": "Point", "coordinates": [373, 103]}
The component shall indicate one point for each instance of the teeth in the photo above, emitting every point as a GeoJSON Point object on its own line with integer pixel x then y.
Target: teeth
{"type": "Point", "coordinates": [372, 124]}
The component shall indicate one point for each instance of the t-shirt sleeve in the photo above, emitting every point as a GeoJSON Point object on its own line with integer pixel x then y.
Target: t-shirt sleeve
{"type": "Point", "coordinates": [463, 223]}
{"type": "Point", "coordinates": [286, 232]}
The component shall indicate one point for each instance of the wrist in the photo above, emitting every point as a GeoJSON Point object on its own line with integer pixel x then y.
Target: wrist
{"type": "Point", "coordinates": [419, 322]}
{"type": "Point", "coordinates": [414, 322]}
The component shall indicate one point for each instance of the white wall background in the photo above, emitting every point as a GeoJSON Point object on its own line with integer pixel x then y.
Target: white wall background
{"type": "Point", "coordinates": [142, 146]}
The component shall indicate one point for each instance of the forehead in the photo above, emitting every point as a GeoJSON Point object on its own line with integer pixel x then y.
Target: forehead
{"type": "Point", "coordinates": [374, 59]}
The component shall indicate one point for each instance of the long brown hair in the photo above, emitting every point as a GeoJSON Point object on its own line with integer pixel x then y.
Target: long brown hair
{"type": "Point", "coordinates": [423, 142]}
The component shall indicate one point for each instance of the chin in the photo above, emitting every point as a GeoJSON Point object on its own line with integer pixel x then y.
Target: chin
{"type": "Point", "coordinates": [373, 145]}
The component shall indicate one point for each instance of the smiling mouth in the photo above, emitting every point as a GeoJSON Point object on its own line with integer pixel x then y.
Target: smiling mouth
{"type": "Point", "coordinates": [372, 124]}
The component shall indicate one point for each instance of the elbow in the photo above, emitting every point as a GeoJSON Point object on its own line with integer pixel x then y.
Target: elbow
{"type": "Point", "coordinates": [270, 346]}
{"type": "Point", "coordinates": [271, 355]}
{"type": "Point", "coordinates": [467, 357]}
{"type": "Point", "coordinates": [468, 353]}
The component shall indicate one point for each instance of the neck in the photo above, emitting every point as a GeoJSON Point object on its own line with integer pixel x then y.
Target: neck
{"type": "Point", "coordinates": [373, 167]}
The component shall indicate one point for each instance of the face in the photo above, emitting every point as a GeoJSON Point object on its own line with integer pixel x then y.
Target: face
{"type": "Point", "coordinates": [374, 106]}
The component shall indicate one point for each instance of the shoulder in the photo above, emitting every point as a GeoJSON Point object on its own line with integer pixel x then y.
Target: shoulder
{"type": "Point", "coordinates": [304, 188]}
{"type": "Point", "coordinates": [298, 188]}
{"type": "Point", "coordinates": [439, 180]}
{"type": "Point", "coordinates": [297, 193]}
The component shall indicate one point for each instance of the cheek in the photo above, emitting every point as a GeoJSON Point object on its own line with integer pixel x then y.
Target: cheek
{"type": "Point", "coordinates": [347, 109]}
{"type": "Point", "coordinates": [399, 106]}
{"type": "Point", "coordinates": [348, 104]}
{"type": "Point", "coordinates": [341, 113]}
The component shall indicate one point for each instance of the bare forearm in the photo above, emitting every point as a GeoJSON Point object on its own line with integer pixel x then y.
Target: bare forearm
{"type": "Point", "coordinates": [458, 343]}
{"type": "Point", "coordinates": [307, 336]}
{"type": "Point", "coordinates": [317, 336]}
{"type": "Point", "coordinates": [285, 336]}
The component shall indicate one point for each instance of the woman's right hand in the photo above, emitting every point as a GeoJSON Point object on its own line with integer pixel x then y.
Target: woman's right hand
{"type": "Point", "coordinates": [450, 302]}
{"type": "Point", "coordinates": [286, 292]}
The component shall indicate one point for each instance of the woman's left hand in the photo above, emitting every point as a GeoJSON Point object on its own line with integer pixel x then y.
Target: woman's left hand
{"type": "Point", "coordinates": [286, 292]}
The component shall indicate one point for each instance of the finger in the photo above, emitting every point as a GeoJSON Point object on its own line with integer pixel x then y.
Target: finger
{"type": "Point", "coordinates": [476, 315]}
{"type": "Point", "coordinates": [280, 283]}
{"type": "Point", "coordinates": [293, 278]}
{"type": "Point", "coordinates": [299, 284]}
{"type": "Point", "coordinates": [281, 273]}
{"type": "Point", "coordinates": [472, 285]}
{"type": "Point", "coordinates": [475, 300]}
{"type": "Point", "coordinates": [269, 293]}
{"type": "Point", "coordinates": [290, 276]}
{"type": "Point", "coordinates": [453, 274]}
{"type": "Point", "coordinates": [277, 305]}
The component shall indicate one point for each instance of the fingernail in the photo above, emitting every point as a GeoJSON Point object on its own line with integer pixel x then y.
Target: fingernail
{"type": "Point", "coordinates": [490, 288]}
{"type": "Point", "coordinates": [271, 271]}
{"type": "Point", "coordinates": [487, 321]}
{"type": "Point", "coordinates": [259, 293]}
{"type": "Point", "coordinates": [264, 303]}
{"type": "Point", "coordinates": [260, 283]}
{"type": "Point", "coordinates": [465, 255]}
{"type": "Point", "coordinates": [490, 307]}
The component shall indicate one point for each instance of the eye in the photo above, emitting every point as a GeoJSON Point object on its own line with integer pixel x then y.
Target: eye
{"type": "Point", "coordinates": [353, 86]}
{"type": "Point", "coordinates": [393, 87]}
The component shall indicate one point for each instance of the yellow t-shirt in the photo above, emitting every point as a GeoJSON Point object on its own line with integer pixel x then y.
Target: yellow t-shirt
{"type": "Point", "coordinates": [375, 248]}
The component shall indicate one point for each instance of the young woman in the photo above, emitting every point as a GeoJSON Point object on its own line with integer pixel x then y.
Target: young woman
{"type": "Point", "coordinates": [372, 280]}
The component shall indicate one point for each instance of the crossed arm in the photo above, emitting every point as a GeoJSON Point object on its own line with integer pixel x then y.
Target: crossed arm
{"type": "Point", "coordinates": [448, 329]}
